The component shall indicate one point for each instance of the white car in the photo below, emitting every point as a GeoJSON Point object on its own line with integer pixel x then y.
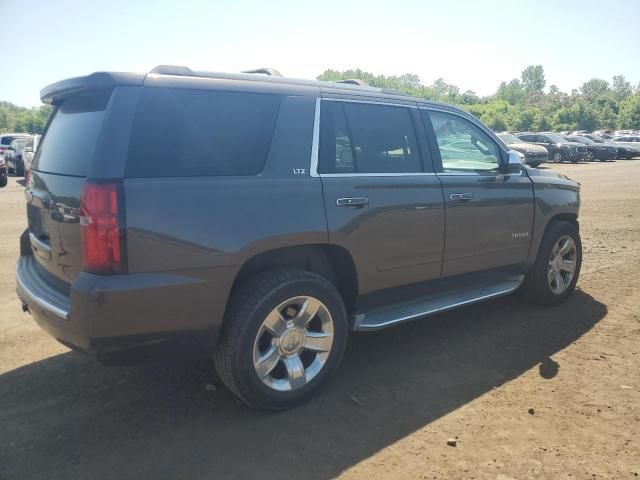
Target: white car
{"type": "Point", "coordinates": [7, 138]}
{"type": "Point", "coordinates": [28, 154]}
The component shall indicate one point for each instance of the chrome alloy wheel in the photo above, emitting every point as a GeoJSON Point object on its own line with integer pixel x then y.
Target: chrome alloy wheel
{"type": "Point", "coordinates": [557, 157]}
{"type": "Point", "coordinates": [589, 156]}
{"type": "Point", "coordinates": [293, 343]}
{"type": "Point", "coordinates": [562, 264]}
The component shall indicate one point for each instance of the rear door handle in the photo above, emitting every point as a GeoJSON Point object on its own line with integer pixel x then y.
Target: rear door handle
{"type": "Point", "coordinates": [352, 202]}
{"type": "Point", "coordinates": [460, 197]}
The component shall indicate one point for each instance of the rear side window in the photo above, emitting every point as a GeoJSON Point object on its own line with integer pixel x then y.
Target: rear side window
{"type": "Point", "coordinates": [367, 138]}
{"type": "Point", "coordinates": [70, 140]}
{"type": "Point", "coordinates": [180, 132]}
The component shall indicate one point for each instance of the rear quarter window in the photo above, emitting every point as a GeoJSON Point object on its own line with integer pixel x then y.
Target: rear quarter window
{"type": "Point", "coordinates": [180, 132]}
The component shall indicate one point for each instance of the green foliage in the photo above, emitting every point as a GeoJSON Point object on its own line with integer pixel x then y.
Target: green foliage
{"type": "Point", "coordinates": [522, 104]}
{"type": "Point", "coordinates": [629, 116]}
{"type": "Point", "coordinates": [20, 119]}
{"type": "Point", "coordinates": [533, 79]}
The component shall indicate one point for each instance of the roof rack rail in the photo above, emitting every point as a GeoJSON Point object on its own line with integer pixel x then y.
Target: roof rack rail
{"type": "Point", "coordinates": [353, 81]}
{"type": "Point", "coordinates": [264, 71]}
{"type": "Point", "coordinates": [172, 70]}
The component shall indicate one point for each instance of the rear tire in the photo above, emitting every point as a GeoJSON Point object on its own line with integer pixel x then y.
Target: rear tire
{"type": "Point", "coordinates": [558, 157]}
{"type": "Point", "coordinates": [274, 352]}
{"type": "Point", "coordinates": [3, 180]}
{"type": "Point", "coordinates": [554, 274]}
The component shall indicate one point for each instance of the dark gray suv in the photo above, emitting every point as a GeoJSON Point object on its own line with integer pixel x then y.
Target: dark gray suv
{"type": "Point", "coordinates": [258, 220]}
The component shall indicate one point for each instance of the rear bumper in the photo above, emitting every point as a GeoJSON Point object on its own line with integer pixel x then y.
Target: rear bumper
{"type": "Point", "coordinates": [125, 318]}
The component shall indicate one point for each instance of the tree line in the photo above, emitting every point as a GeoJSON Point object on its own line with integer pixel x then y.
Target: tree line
{"type": "Point", "coordinates": [522, 103]}
{"type": "Point", "coordinates": [20, 119]}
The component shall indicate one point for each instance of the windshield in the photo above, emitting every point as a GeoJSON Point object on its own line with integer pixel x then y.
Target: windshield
{"type": "Point", "coordinates": [596, 138]}
{"type": "Point", "coordinates": [509, 138]}
{"type": "Point", "coordinates": [585, 140]}
{"type": "Point", "coordinates": [557, 139]}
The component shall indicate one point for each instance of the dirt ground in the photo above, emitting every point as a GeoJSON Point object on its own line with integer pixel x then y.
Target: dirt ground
{"type": "Point", "coordinates": [529, 392]}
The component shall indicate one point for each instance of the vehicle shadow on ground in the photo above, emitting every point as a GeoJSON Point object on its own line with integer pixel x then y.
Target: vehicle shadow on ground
{"type": "Point", "coordinates": [66, 417]}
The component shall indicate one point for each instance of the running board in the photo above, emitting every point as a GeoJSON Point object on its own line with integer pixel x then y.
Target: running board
{"type": "Point", "coordinates": [393, 314]}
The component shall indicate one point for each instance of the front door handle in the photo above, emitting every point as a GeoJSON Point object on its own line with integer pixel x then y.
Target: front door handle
{"type": "Point", "coordinates": [352, 202]}
{"type": "Point", "coordinates": [460, 197]}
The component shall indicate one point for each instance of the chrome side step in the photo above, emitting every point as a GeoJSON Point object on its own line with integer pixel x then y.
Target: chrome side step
{"type": "Point", "coordinates": [393, 314]}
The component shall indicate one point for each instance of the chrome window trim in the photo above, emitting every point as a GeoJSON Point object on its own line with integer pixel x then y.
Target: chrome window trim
{"type": "Point", "coordinates": [390, 174]}
{"type": "Point", "coordinates": [370, 102]}
{"type": "Point", "coordinates": [315, 144]}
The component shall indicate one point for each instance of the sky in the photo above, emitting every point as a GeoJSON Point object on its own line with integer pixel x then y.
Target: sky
{"type": "Point", "coordinates": [472, 44]}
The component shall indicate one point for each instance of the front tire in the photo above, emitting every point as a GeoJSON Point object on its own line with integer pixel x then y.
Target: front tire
{"type": "Point", "coordinates": [555, 272]}
{"type": "Point", "coordinates": [283, 336]}
{"type": "Point", "coordinates": [3, 180]}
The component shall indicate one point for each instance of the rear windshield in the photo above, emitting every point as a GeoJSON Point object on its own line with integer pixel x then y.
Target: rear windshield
{"type": "Point", "coordinates": [70, 140]}
{"type": "Point", "coordinates": [180, 132]}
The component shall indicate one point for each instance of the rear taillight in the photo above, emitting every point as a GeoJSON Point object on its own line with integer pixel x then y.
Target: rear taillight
{"type": "Point", "coordinates": [102, 228]}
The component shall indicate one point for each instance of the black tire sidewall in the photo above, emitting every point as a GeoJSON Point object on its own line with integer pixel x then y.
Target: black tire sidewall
{"type": "Point", "coordinates": [538, 282]}
{"type": "Point", "coordinates": [252, 389]}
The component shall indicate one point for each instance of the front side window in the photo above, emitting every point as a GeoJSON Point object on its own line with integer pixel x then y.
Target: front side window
{"type": "Point", "coordinates": [464, 146]}
{"type": "Point", "coordinates": [367, 138]}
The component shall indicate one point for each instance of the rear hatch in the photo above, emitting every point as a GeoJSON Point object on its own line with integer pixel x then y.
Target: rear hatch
{"type": "Point", "coordinates": [59, 173]}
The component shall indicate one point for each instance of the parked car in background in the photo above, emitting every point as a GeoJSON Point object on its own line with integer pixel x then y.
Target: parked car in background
{"type": "Point", "coordinates": [185, 246]}
{"type": "Point", "coordinates": [13, 155]}
{"type": "Point", "coordinates": [3, 172]}
{"type": "Point", "coordinates": [560, 150]}
{"type": "Point", "coordinates": [7, 138]}
{"type": "Point", "coordinates": [628, 139]}
{"type": "Point", "coordinates": [28, 154]}
{"type": "Point", "coordinates": [532, 155]}
{"type": "Point", "coordinates": [624, 150]}
{"type": "Point", "coordinates": [595, 151]}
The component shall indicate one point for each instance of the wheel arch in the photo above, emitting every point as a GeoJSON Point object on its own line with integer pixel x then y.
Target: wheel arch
{"type": "Point", "coordinates": [332, 262]}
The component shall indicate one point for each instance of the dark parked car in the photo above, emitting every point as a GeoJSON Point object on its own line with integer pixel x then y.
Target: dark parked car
{"type": "Point", "coordinates": [283, 215]}
{"type": "Point", "coordinates": [3, 172]}
{"type": "Point", "coordinates": [595, 151]}
{"type": "Point", "coordinates": [14, 155]}
{"type": "Point", "coordinates": [534, 155]}
{"type": "Point", "coordinates": [560, 150]}
{"type": "Point", "coordinates": [624, 150]}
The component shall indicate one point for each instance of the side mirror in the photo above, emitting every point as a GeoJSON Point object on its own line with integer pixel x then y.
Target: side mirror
{"type": "Point", "coordinates": [514, 164]}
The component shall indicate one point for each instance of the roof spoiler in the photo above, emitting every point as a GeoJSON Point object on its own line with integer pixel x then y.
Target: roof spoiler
{"type": "Point", "coordinates": [99, 80]}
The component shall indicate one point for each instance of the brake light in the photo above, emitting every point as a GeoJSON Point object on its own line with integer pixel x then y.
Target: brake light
{"type": "Point", "coordinates": [101, 228]}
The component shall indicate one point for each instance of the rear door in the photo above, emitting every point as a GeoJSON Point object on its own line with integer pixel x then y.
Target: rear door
{"type": "Point", "coordinates": [489, 214]}
{"type": "Point", "coordinates": [383, 202]}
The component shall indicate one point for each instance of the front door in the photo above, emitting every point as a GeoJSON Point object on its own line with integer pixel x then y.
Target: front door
{"type": "Point", "coordinates": [489, 214]}
{"type": "Point", "coordinates": [383, 205]}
